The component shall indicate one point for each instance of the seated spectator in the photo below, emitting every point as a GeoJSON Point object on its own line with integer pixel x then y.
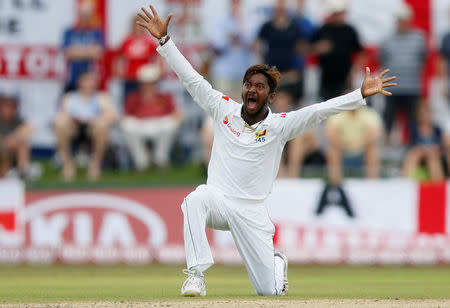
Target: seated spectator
{"type": "Point", "coordinates": [297, 149]}
{"type": "Point", "coordinates": [150, 116]}
{"type": "Point", "coordinates": [425, 145]}
{"type": "Point", "coordinates": [83, 45]}
{"type": "Point", "coordinates": [136, 50]}
{"type": "Point", "coordinates": [86, 115]}
{"type": "Point", "coordinates": [353, 140]}
{"type": "Point", "coordinates": [14, 134]}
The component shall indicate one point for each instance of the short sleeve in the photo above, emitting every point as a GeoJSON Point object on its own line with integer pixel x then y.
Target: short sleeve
{"type": "Point", "coordinates": [171, 106]}
{"type": "Point", "coordinates": [373, 120]}
{"type": "Point", "coordinates": [66, 39]}
{"type": "Point", "coordinates": [263, 32]}
{"type": "Point", "coordinates": [357, 46]}
{"type": "Point", "coordinates": [445, 46]}
{"type": "Point", "coordinates": [99, 38]}
{"type": "Point", "coordinates": [131, 102]}
{"type": "Point", "coordinates": [334, 120]}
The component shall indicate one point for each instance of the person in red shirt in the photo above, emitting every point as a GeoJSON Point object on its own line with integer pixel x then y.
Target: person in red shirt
{"type": "Point", "coordinates": [136, 50]}
{"type": "Point", "coordinates": [150, 115]}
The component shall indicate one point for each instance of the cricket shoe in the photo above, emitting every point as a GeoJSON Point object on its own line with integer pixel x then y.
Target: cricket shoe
{"type": "Point", "coordinates": [194, 285]}
{"type": "Point", "coordinates": [285, 288]}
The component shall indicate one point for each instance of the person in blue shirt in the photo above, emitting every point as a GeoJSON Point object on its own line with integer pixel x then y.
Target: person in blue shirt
{"type": "Point", "coordinates": [82, 46]}
{"type": "Point", "coordinates": [283, 44]}
{"type": "Point", "coordinates": [425, 145]}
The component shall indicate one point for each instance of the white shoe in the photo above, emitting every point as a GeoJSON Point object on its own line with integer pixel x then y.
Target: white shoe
{"type": "Point", "coordinates": [285, 289]}
{"type": "Point", "coordinates": [194, 285]}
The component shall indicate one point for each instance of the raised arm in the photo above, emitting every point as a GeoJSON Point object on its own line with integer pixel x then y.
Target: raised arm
{"type": "Point", "coordinates": [299, 121]}
{"type": "Point", "coordinates": [200, 90]}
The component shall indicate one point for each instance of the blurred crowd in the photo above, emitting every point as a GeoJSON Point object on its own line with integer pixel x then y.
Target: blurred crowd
{"type": "Point", "coordinates": [401, 139]}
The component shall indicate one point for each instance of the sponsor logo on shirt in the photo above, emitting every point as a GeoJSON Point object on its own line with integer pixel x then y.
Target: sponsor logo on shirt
{"type": "Point", "coordinates": [228, 124]}
{"type": "Point", "coordinates": [283, 115]}
{"type": "Point", "coordinates": [227, 98]}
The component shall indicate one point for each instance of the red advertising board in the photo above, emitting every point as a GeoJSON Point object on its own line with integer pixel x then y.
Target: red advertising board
{"type": "Point", "coordinates": [391, 222]}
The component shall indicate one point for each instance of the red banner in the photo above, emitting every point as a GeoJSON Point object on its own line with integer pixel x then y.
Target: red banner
{"type": "Point", "coordinates": [392, 222]}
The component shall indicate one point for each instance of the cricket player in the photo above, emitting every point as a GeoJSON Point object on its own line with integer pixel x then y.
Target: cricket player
{"type": "Point", "coordinates": [248, 142]}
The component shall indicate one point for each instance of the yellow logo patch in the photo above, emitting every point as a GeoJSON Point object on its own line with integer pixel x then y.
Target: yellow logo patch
{"type": "Point", "coordinates": [261, 134]}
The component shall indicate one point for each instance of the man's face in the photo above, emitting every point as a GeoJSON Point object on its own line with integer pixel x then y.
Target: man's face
{"type": "Point", "coordinates": [403, 24]}
{"type": "Point", "coordinates": [7, 110]}
{"type": "Point", "coordinates": [88, 83]}
{"type": "Point", "coordinates": [256, 94]}
{"type": "Point", "coordinates": [147, 87]}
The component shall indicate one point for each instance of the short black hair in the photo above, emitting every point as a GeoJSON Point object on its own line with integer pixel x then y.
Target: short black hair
{"type": "Point", "coordinates": [271, 72]}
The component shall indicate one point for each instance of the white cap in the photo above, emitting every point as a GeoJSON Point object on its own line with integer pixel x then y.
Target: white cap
{"type": "Point", "coordinates": [148, 73]}
{"type": "Point", "coordinates": [404, 12]}
{"type": "Point", "coordinates": [335, 6]}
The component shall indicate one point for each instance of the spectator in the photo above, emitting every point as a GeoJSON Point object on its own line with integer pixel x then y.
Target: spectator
{"type": "Point", "coordinates": [14, 134]}
{"type": "Point", "coordinates": [136, 50]}
{"type": "Point", "coordinates": [150, 115]}
{"type": "Point", "coordinates": [424, 145]}
{"type": "Point", "coordinates": [307, 30]}
{"type": "Point", "coordinates": [231, 45]}
{"type": "Point", "coordinates": [353, 140]}
{"type": "Point", "coordinates": [86, 115]}
{"type": "Point", "coordinates": [283, 41]}
{"type": "Point", "coordinates": [82, 45]}
{"type": "Point", "coordinates": [445, 74]}
{"type": "Point", "coordinates": [404, 53]}
{"type": "Point", "coordinates": [231, 41]}
{"type": "Point", "coordinates": [297, 149]}
{"type": "Point", "coordinates": [335, 43]}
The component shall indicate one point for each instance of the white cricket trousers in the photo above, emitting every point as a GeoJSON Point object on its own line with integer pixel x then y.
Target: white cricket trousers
{"type": "Point", "coordinates": [160, 130]}
{"type": "Point", "coordinates": [250, 226]}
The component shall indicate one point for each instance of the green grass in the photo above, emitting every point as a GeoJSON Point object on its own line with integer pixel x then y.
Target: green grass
{"type": "Point", "coordinates": [190, 174]}
{"type": "Point", "coordinates": [58, 283]}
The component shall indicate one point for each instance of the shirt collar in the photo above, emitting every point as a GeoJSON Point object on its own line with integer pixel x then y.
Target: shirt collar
{"type": "Point", "coordinates": [265, 121]}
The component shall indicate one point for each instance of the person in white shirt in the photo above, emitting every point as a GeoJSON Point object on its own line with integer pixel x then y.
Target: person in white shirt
{"type": "Point", "coordinates": [248, 142]}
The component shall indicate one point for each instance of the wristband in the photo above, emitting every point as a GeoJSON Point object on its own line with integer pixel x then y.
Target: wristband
{"type": "Point", "coordinates": [163, 39]}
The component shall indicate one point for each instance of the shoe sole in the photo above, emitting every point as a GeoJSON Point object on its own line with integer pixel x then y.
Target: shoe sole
{"type": "Point", "coordinates": [193, 294]}
{"type": "Point", "coordinates": [285, 282]}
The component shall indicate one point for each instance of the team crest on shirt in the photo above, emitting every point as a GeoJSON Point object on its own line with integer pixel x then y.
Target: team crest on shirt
{"type": "Point", "coordinates": [261, 136]}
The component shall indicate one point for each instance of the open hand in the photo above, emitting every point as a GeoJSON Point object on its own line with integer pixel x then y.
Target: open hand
{"type": "Point", "coordinates": [374, 85]}
{"type": "Point", "coordinates": [155, 26]}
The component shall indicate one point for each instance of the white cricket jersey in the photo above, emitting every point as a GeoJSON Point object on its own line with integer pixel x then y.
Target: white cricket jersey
{"type": "Point", "coordinates": [244, 162]}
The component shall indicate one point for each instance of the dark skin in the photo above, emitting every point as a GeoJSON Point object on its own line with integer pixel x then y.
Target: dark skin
{"type": "Point", "coordinates": [256, 96]}
{"type": "Point", "coordinates": [256, 93]}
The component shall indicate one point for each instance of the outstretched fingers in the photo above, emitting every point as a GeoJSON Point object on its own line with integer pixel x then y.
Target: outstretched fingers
{"type": "Point", "coordinates": [385, 92]}
{"type": "Point", "coordinates": [143, 17]}
{"type": "Point", "coordinates": [383, 73]}
{"type": "Point", "coordinates": [140, 23]}
{"type": "Point", "coordinates": [155, 14]}
{"type": "Point", "coordinates": [167, 20]}
{"type": "Point", "coordinates": [147, 13]}
{"type": "Point", "coordinates": [388, 79]}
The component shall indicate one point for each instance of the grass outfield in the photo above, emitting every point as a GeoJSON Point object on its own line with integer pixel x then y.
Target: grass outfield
{"type": "Point", "coordinates": [59, 284]}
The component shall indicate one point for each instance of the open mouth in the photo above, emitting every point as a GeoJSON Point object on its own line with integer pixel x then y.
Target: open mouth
{"type": "Point", "coordinates": [251, 102]}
